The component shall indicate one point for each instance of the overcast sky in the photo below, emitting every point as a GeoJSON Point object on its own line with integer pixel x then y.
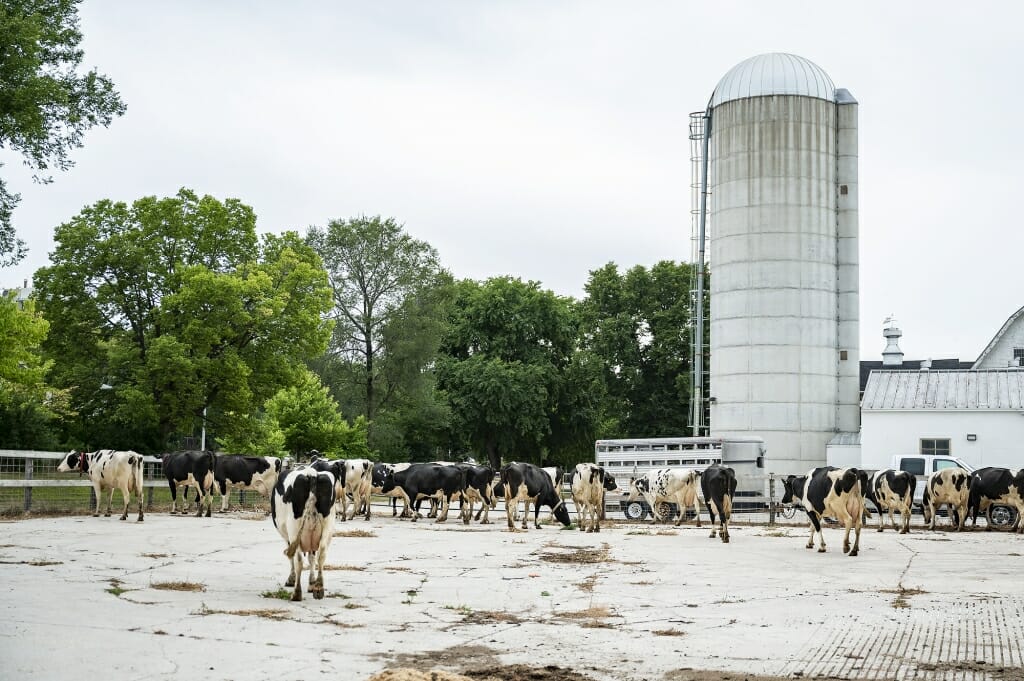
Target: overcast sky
{"type": "Point", "coordinates": [544, 139]}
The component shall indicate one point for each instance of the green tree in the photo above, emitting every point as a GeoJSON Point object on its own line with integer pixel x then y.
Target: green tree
{"type": "Point", "coordinates": [309, 418]}
{"type": "Point", "coordinates": [46, 105]}
{"type": "Point", "coordinates": [638, 325]}
{"type": "Point", "coordinates": [178, 306]}
{"type": "Point", "coordinates": [510, 368]}
{"type": "Point", "coordinates": [29, 408]}
{"type": "Point", "coordinates": [388, 290]}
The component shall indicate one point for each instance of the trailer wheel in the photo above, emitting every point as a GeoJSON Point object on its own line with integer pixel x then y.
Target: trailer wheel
{"type": "Point", "coordinates": [634, 510]}
{"type": "Point", "coordinates": [1003, 517]}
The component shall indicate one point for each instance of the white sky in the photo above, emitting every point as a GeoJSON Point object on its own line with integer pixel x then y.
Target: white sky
{"type": "Point", "coordinates": [544, 139]}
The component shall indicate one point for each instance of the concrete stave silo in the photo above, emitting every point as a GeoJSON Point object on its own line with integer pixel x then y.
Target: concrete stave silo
{"type": "Point", "coordinates": [782, 184]}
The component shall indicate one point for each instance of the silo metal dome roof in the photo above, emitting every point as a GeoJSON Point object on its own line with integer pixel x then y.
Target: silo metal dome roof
{"type": "Point", "coordinates": [774, 74]}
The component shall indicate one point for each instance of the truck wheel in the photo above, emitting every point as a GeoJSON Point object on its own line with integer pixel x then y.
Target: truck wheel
{"type": "Point", "coordinates": [1003, 517]}
{"type": "Point", "coordinates": [634, 510]}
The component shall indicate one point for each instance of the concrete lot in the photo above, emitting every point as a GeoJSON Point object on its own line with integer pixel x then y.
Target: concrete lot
{"type": "Point", "coordinates": [82, 597]}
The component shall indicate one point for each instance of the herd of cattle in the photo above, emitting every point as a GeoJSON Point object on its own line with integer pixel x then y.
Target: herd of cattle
{"type": "Point", "coordinates": [306, 500]}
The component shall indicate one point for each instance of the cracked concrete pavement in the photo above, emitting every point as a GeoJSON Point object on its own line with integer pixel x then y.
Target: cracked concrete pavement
{"type": "Point", "coordinates": [104, 598]}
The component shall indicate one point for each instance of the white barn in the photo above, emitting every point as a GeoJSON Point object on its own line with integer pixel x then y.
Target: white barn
{"type": "Point", "coordinates": [976, 414]}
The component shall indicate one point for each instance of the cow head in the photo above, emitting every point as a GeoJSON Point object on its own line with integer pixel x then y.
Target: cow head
{"type": "Point", "coordinates": [794, 488]}
{"type": "Point", "coordinates": [562, 513]}
{"type": "Point", "coordinates": [74, 460]}
{"type": "Point", "coordinates": [638, 487]}
{"type": "Point", "coordinates": [387, 481]}
{"type": "Point", "coordinates": [265, 479]}
{"type": "Point", "coordinates": [609, 481]}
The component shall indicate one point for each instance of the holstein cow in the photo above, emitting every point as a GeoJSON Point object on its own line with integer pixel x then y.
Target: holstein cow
{"type": "Point", "coordinates": [479, 484]}
{"type": "Point", "coordinates": [949, 486]}
{"type": "Point", "coordinates": [528, 483]}
{"type": "Point", "coordinates": [191, 468]}
{"type": "Point", "coordinates": [718, 485]}
{"type": "Point", "coordinates": [996, 486]}
{"type": "Point", "coordinates": [358, 485]}
{"type": "Point", "coordinates": [302, 507]}
{"type": "Point", "coordinates": [891, 490]}
{"type": "Point", "coordinates": [380, 471]}
{"type": "Point", "coordinates": [835, 492]}
{"type": "Point", "coordinates": [673, 485]}
{"type": "Point", "coordinates": [244, 472]}
{"type": "Point", "coordinates": [424, 480]}
{"type": "Point", "coordinates": [108, 470]}
{"type": "Point", "coordinates": [336, 467]}
{"type": "Point", "coordinates": [589, 483]}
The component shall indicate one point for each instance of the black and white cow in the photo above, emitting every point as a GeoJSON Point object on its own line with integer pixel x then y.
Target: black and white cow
{"type": "Point", "coordinates": [380, 471]}
{"type": "Point", "coordinates": [589, 482]}
{"type": "Point", "coordinates": [358, 485]}
{"type": "Point", "coordinates": [530, 484]}
{"type": "Point", "coordinates": [244, 472]}
{"type": "Point", "coordinates": [673, 485]}
{"type": "Point", "coordinates": [718, 485]}
{"type": "Point", "coordinates": [996, 487]}
{"type": "Point", "coordinates": [950, 487]}
{"type": "Point", "coordinates": [193, 468]}
{"type": "Point", "coordinates": [426, 480]}
{"type": "Point", "coordinates": [302, 508]}
{"type": "Point", "coordinates": [891, 490]}
{"type": "Point", "coordinates": [108, 470]}
{"type": "Point", "coordinates": [835, 492]}
{"type": "Point", "coordinates": [479, 486]}
{"type": "Point", "coordinates": [336, 467]}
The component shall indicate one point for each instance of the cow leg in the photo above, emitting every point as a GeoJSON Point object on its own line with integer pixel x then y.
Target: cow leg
{"type": "Point", "coordinates": [816, 527]}
{"type": "Point", "coordinates": [712, 510]}
{"type": "Point", "coordinates": [696, 508]}
{"type": "Point", "coordinates": [110, 502]}
{"type": "Point", "coordinates": [508, 513]}
{"type": "Point", "coordinates": [208, 498]}
{"type": "Point", "coordinates": [446, 501]}
{"type": "Point", "coordinates": [297, 571]}
{"type": "Point", "coordinates": [225, 492]}
{"type": "Point", "coordinates": [174, 496]}
{"type": "Point", "coordinates": [856, 539]}
{"type": "Point", "coordinates": [536, 513]}
{"type": "Point", "coordinates": [126, 497]}
{"type": "Point", "coordinates": [526, 511]}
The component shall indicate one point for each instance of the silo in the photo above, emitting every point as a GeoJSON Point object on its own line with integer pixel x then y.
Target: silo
{"type": "Point", "coordinates": [782, 216]}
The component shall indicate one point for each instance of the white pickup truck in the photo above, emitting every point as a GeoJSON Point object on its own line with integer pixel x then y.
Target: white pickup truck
{"type": "Point", "coordinates": [922, 465]}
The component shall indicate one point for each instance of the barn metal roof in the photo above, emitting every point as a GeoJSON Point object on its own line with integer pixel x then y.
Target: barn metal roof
{"type": "Point", "coordinates": [965, 389]}
{"type": "Point", "coordinates": [845, 440]}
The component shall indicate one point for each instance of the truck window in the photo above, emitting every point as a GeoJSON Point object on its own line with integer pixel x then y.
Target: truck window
{"type": "Point", "coordinates": [945, 463]}
{"type": "Point", "coordinates": [912, 465]}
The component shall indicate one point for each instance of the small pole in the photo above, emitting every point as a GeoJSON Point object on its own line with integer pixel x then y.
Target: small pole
{"type": "Point", "coordinates": [28, 490]}
{"type": "Point", "coordinates": [771, 498]}
{"type": "Point", "coordinates": [202, 441]}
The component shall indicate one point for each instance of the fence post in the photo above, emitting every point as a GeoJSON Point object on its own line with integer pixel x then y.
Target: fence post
{"type": "Point", "coordinates": [29, 465]}
{"type": "Point", "coordinates": [241, 498]}
{"type": "Point", "coordinates": [149, 498]}
{"type": "Point", "coordinates": [771, 499]}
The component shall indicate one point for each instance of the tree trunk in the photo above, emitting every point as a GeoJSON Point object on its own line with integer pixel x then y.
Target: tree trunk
{"type": "Point", "coordinates": [493, 456]}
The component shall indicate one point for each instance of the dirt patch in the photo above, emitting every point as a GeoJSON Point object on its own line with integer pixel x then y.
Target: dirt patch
{"type": "Point", "coordinates": [155, 555]}
{"type": "Point", "coordinates": [37, 563]}
{"type": "Point", "coordinates": [265, 613]}
{"type": "Point", "coordinates": [357, 568]}
{"type": "Point", "coordinates": [588, 584]}
{"type": "Point", "coordinates": [490, 617]}
{"type": "Point", "coordinates": [355, 533]}
{"type": "Point", "coordinates": [668, 632]}
{"type": "Point", "coordinates": [405, 674]}
{"type": "Point", "coordinates": [579, 555]}
{"type": "Point", "coordinates": [902, 594]}
{"type": "Point", "coordinates": [998, 673]}
{"type": "Point", "coordinates": [515, 672]}
{"type": "Point", "coordinates": [178, 586]}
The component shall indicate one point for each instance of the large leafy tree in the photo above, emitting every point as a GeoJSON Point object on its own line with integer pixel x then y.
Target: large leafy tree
{"type": "Point", "coordinates": [388, 293]}
{"type": "Point", "coordinates": [517, 386]}
{"type": "Point", "coordinates": [309, 418]}
{"type": "Point", "coordinates": [29, 407]}
{"type": "Point", "coordinates": [178, 307]}
{"type": "Point", "coordinates": [46, 105]}
{"type": "Point", "coordinates": [638, 324]}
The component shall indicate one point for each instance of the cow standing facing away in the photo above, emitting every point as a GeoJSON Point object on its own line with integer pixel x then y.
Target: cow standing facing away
{"type": "Point", "coordinates": [358, 484]}
{"type": "Point", "coordinates": [528, 483]}
{"type": "Point", "coordinates": [891, 490]}
{"type": "Point", "coordinates": [835, 492]}
{"type": "Point", "coordinates": [302, 508]}
{"type": "Point", "coordinates": [678, 486]}
{"type": "Point", "coordinates": [109, 470]}
{"type": "Point", "coordinates": [718, 485]}
{"type": "Point", "coordinates": [192, 468]}
{"type": "Point", "coordinates": [479, 487]}
{"type": "Point", "coordinates": [244, 472]}
{"type": "Point", "coordinates": [949, 486]}
{"type": "Point", "coordinates": [589, 483]}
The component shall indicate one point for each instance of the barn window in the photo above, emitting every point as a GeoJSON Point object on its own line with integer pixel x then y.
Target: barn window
{"type": "Point", "coordinates": [1018, 356]}
{"type": "Point", "coordinates": [935, 447]}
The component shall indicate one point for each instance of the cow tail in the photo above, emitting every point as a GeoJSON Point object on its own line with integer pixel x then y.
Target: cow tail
{"type": "Point", "coordinates": [136, 465]}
